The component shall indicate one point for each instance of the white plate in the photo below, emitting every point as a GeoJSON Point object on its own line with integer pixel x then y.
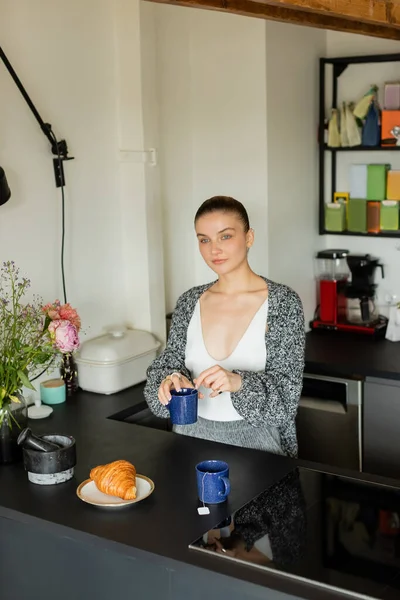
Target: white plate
{"type": "Point", "coordinates": [88, 492]}
{"type": "Point", "coordinates": [39, 412]}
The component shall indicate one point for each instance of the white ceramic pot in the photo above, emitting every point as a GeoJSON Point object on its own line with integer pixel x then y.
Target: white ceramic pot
{"type": "Point", "coordinates": [116, 360]}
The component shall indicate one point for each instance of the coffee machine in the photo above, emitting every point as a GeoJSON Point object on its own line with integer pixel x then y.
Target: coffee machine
{"type": "Point", "coordinates": [346, 291]}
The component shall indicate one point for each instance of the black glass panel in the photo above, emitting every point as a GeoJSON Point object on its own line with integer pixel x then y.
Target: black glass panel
{"type": "Point", "coordinates": [333, 531]}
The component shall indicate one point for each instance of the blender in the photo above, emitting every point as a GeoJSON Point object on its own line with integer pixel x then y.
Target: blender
{"type": "Point", "coordinates": [332, 274]}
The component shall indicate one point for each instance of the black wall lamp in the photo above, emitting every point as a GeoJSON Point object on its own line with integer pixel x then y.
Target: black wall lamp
{"type": "Point", "coordinates": [58, 148]}
{"type": "Point", "coordinates": [5, 192]}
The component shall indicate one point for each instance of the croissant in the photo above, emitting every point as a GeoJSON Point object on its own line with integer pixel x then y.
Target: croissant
{"type": "Point", "coordinates": [117, 478]}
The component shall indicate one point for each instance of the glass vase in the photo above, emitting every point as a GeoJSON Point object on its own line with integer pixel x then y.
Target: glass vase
{"type": "Point", "coordinates": [69, 373]}
{"type": "Point", "coordinates": [13, 419]}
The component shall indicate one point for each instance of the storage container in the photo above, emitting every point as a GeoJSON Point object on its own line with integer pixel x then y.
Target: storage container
{"type": "Point", "coordinates": [374, 217]}
{"type": "Point", "coordinates": [392, 96]}
{"type": "Point", "coordinates": [357, 215]}
{"type": "Point", "coordinates": [116, 360]}
{"type": "Point", "coordinates": [335, 217]}
{"type": "Point", "coordinates": [390, 215]}
{"type": "Point", "coordinates": [390, 120]}
{"type": "Point", "coordinates": [393, 185]}
{"type": "Point", "coordinates": [358, 181]}
{"type": "Point", "coordinates": [376, 181]}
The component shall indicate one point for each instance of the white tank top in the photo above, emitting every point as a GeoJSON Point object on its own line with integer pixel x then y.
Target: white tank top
{"type": "Point", "coordinates": [249, 355]}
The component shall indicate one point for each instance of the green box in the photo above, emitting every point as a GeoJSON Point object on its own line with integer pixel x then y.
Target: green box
{"type": "Point", "coordinates": [377, 181]}
{"type": "Point", "coordinates": [390, 215]}
{"type": "Point", "coordinates": [335, 217]}
{"type": "Point", "coordinates": [357, 215]}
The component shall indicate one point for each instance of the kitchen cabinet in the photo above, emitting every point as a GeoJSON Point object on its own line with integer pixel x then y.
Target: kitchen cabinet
{"type": "Point", "coordinates": [381, 424]}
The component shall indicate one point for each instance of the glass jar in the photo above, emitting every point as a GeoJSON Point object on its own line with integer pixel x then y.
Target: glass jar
{"type": "Point", "coordinates": [13, 419]}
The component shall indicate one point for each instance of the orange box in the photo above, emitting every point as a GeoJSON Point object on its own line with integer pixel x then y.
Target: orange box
{"type": "Point", "coordinates": [390, 119]}
{"type": "Point", "coordinates": [393, 185]}
{"type": "Point", "coordinates": [374, 217]}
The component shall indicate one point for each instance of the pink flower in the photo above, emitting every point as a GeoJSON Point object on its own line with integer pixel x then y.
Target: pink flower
{"type": "Point", "coordinates": [64, 335]}
{"type": "Point", "coordinates": [64, 312]}
{"type": "Point", "coordinates": [68, 313]}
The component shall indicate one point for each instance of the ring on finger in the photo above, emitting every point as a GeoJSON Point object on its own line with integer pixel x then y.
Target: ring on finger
{"type": "Point", "coordinates": [178, 375]}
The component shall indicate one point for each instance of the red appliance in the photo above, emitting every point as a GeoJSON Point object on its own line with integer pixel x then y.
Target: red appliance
{"type": "Point", "coordinates": [345, 295]}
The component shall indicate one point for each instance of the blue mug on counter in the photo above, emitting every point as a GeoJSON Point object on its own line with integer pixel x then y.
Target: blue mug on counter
{"type": "Point", "coordinates": [183, 406]}
{"type": "Point", "coordinates": [213, 485]}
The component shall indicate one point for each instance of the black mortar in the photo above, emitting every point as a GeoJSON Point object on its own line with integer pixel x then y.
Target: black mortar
{"type": "Point", "coordinates": [45, 463]}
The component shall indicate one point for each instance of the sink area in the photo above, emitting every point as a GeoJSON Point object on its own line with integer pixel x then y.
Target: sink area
{"type": "Point", "coordinates": [140, 414]}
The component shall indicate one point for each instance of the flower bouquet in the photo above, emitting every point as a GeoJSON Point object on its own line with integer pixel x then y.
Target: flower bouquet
{"type": "Point", "coordinates": [33, 337]}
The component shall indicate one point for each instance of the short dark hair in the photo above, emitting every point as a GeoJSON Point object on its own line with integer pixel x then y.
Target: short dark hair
{"type": "Point", "coordinates": [225, 204]}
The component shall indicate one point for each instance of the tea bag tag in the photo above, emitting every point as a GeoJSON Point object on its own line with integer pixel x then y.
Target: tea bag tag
{"type": "Point", "coordinates": [203, 510]}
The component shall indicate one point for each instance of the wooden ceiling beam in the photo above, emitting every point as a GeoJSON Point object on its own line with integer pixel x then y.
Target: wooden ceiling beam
{"type": "Point", "coordinates": [380, 12]}
{"type": "Point", "coordinates": [376, 18]}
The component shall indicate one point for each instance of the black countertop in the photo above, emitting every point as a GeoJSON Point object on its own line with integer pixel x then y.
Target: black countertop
{"type": "Point", "coordinates": [341, 354]}
{"type": "Point", "coordinates": [171, 511]}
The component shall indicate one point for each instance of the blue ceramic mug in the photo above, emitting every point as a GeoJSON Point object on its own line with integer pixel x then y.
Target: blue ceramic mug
{"type": "Point", "coordinates": [183, 406]}
{"type": "Point", "coordinates": [213, 485]}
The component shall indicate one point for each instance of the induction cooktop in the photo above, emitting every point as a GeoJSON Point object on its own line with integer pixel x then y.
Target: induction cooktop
{"type": "Point", "coordinates": [332, 531]}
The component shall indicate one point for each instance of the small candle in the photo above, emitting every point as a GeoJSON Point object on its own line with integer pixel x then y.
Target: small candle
{"type": "Point", "coordinates": [52, 391]}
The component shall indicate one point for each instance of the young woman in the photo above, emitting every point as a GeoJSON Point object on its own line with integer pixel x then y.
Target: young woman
{"type": "Point", "coordinates": [239, 341]}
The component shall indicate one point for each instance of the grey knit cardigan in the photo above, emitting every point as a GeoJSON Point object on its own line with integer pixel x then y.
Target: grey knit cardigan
{"type": "Point", "coordinates": [265, 398]}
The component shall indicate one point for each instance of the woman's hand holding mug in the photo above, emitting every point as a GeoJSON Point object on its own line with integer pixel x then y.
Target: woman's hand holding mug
{"type": "Point", "coordinates": [174, 381]}
{"type": "Point", "coordinates": [216, 378]}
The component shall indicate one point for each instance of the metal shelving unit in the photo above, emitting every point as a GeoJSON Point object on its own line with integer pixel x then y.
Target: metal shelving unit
{"type": "Point", "coordinates": [339, 66]}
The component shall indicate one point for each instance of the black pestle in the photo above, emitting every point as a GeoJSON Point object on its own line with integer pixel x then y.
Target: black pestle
{"type": "Point", "coordinates": [28, 440]}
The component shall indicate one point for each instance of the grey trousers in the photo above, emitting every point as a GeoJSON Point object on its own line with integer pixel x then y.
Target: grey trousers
{"type": "Point", "coordinates": [236, 433]}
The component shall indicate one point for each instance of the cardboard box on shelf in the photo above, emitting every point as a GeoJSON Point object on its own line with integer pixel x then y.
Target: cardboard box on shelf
{"type": "Point", "coordinates": [358, 181]}
{"type": "Point", "coordinates": [376, 181]}
{"type": "Point", "coordinates": [393, 185]}
{"type": "Point", "coordinates": [374, 217]}
{"type": "Point", "coordinates": [392, 96]}
{"type": "Point", "coordinates": [335, 216]}
{"type": "Point", "coordinates": [390, 119]}
{"type": "Point", "coordinates": [357, 215]}
{"type": "Point", "coordinates": [389, 215]}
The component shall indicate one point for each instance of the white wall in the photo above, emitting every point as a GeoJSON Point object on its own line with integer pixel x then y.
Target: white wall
{"type": "Point", "coordinates": [175, 152]}
{"type": "Point", "coordinates": [292, 172]}
{"type": "Point", "coordinates": [82, 64]}
{"type": "Point", "coordinates": [90, 69]}
{"type": "Point", "coordinates": [353, 83]}
{"type": "Point", "coordinates": [229, 124]}
{"type": "Point", "coordinates": [213, 130]}
{"type": "Point", "coordinates": [153, 218]}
